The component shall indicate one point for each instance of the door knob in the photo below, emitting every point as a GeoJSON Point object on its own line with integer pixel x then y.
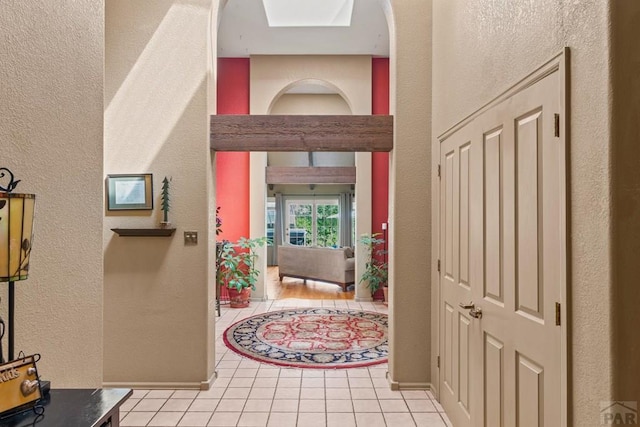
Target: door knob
{"type": "Point", "coordinates": [474, 312]}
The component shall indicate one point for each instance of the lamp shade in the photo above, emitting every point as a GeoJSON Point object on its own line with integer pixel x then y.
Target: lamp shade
{"type": "Point", "coordinates": [16, 232]}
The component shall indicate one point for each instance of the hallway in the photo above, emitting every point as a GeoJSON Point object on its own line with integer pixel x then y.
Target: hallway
{"type": "Point", "coordinates": [249, 393]}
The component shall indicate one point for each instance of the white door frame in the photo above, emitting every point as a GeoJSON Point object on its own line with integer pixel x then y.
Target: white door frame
{"type": "Point", "coordinates": [560, 64]}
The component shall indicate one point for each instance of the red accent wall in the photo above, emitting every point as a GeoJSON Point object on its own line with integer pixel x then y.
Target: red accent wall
{"type": "Point", "coordinates": [380, 161]}
{"type": "Point", "coordinates": [232, 169]}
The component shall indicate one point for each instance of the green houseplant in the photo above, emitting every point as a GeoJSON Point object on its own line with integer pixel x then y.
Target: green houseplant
{"type": "Point", "coordinates": [237, 269]}
{"type": "Point", "coordinates": [376, 272]}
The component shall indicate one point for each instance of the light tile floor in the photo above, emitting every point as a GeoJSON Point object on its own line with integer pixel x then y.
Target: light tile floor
{"type": "Point", "coordinates": [249, 393]}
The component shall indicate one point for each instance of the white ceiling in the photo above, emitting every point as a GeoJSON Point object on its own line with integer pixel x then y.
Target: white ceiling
{"type": "Point", "coordinates": [244, 31]}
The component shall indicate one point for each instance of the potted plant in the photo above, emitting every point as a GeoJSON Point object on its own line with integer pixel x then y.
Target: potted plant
{"type": "Point", "coordinates": [237, 270]}
{"type": "Point", "coordinates": [376, 271]}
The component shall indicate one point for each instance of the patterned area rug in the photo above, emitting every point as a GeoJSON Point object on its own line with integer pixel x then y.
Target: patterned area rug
{"type": "Point", "coordinates": [312, 338]}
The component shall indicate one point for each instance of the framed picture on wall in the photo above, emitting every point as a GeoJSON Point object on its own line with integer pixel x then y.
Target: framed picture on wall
{"type": "Point", "coordinates": [130, 192]}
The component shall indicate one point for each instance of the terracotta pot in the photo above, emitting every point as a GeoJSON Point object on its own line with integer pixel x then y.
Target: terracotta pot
{"type": "Point", "coordinates": [385, 290]}
{"type": "Point", "coordinates": [239, 299]}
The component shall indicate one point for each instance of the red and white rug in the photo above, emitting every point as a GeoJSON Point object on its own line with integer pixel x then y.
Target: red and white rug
{"type": "Point", "coordinates": [312, 338]}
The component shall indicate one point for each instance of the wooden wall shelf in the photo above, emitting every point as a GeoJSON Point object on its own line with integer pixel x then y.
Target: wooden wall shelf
{"type": "Point", "coordinates": [144, 232]}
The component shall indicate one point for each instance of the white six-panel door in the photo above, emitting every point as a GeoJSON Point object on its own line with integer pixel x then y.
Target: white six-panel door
{"type": "Point", "coordinates": [502, 249]}
{"type": "Point", "coordinates": [456, 284]}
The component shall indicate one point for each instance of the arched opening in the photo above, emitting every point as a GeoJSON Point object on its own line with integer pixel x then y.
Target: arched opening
{"type": "Point", "coordinates": [308, 215]}
{"type": "Point", "coordinates": [408, 195]}
{"type": "Point", "coordinates": [312, 82]}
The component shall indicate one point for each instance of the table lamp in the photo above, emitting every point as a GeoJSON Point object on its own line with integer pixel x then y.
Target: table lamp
{"type": "Point", "coordinates": [20, 386]}
{"type": "Point", "coordinates": [16, 230]}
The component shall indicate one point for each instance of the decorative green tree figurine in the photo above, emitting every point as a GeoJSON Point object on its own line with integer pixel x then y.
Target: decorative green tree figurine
{"type": "Point", "coordinates": [165, 203]}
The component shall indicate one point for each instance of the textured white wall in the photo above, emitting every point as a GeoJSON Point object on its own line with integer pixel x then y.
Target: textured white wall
{"type": "Point", "coordinates": [349, 76]}
{"type": "Point", "coordinates": [51, 138]}
{"type": "Point", "coordinates": [158, 297]}
{"type": "Point", "coordinates": [480, 49]}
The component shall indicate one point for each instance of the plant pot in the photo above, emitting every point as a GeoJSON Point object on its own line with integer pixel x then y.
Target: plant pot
{"type": "Point", "coordinates": [385, 290]}
{"type": "Point", "coordinates": [239, 299]}
{"type": "Point", "coordinates": [378, 295]}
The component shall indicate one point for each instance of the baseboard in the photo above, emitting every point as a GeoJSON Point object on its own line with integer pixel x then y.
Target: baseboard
{"type": "Point", "coordinates": [397, 385]}
{"type": "Point", "coordinates": [206, 385]}
{"type": "Point", "coordinates": [434, 391]}
{"type": "Point", "coordinates": [361, 299]}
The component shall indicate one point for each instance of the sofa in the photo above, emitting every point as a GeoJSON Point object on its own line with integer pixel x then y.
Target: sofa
{"type": "Point", "coordinates": [322, 264]}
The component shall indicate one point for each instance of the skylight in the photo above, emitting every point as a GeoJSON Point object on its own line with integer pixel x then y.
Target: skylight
{"type": "Point", "coordinates": [308, 13]}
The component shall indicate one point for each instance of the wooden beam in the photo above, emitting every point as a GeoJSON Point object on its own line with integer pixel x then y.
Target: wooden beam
{"type": "Point", "coordinates": [310, 175]}
{"type": "Point", "coordinates": [301, 133]}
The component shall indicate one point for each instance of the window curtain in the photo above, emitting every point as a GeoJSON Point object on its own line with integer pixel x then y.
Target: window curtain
{"type": "Point", "coordinates": [278, 228]}
{"type": "Point", "coordinates": [346, 204]}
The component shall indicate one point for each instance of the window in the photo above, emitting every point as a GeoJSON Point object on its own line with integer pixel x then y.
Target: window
{"type": "Point", "coordinates": [313, 222]}
{"type": "Point", "coordinates": [271, 222]}
{"type": "Point", "coordinates": [327, 222]}
{"type": "Point", "coordinates": [309, 13]}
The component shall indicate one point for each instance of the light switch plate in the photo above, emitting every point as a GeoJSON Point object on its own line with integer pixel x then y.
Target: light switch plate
{"type": "Point", "coordinates": [190, 237]}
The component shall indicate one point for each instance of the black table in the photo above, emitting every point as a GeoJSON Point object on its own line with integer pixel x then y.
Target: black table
{"type": "Point", "coordinates": [75, 408]}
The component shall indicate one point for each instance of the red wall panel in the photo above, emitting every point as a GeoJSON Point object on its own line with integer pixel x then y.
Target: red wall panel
{"type": "Point", "coordinates": [232, 169]}
{"type": "Point", "coordinates": [380, 161]}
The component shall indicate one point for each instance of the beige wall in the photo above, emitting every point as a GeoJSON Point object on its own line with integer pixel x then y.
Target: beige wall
{"type": "Point", "coordinates": [310, 104]}
{"type": "Point", "coordinates": [481, 49]}
{"type": "Point", "coordinates": [51, 138]}
{"type": "Point", "coordinates": [348, 75]}
{"type": "Point", "coordinates": [271, 78]}
{"type": "Point", "coordinates": [625, 19]}
{"type": "Point", "coordinates": [158, 293]}
{"type": "Point", "coordinates": [409, 198]}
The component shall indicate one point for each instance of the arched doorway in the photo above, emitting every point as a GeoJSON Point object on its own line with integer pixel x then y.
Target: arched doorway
{"type": "Point", "coordinates": [410, 179]}
{"type": "Point", "coordinates": [350, 76]}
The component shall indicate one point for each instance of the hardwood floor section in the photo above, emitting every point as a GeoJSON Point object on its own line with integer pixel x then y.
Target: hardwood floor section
{"type": "Point", "coordinates": [295, 288]}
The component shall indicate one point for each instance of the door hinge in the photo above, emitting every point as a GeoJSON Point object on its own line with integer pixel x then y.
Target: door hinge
{"type": "Point", "coordinates": [439, 171]}
{"type": "Point", "coordinates": [556, 125]}
{"type": "Point", "coordinates": [558, 314]}
{"type": "Point", "coordinates": [438, 266]}
{"type": "Point", "coordinates": [438, 362]}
